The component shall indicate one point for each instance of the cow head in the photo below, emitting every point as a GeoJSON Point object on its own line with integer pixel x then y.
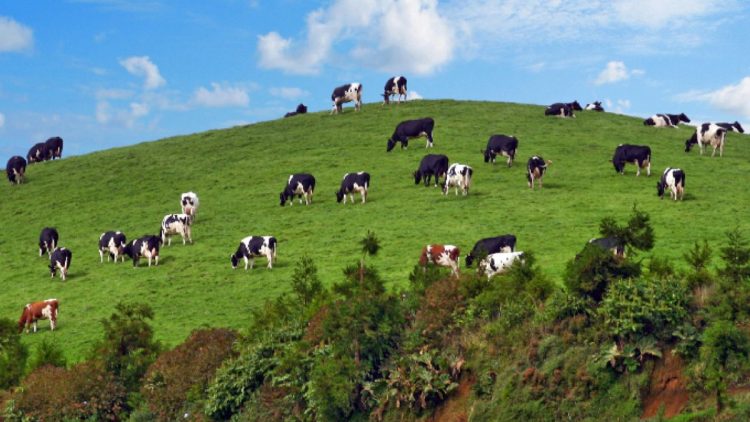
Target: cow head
{"type": "Point", "coordinates": [301, 108]}
{"type": "Point", "coordinates": [619, 165]}
{"type": "Point", "coordinates": [690, 142]}
{"type": "Point", "coordinates": [489, 155]}
{"type": "Point", "coordinates": [386, 97]}
{"type": "Point", "coordinates": [235, 260]}
{"type": "Point", "coordinates": [417, 177]}
{"type": "Point", "coordinates": [575, 106]}
{"type": "Point", "coordinates": [24, 317]}
{"type": "Point", "coordinates": [683, 118]}
{"type": "Point", "coordinates": [660, 189]}
{"type": "Point", "coordinates": [736, 125]}
{"type": "Point", "coordinates": [339, 195]}
{"type": "Point", "coordinates": [391, 144]}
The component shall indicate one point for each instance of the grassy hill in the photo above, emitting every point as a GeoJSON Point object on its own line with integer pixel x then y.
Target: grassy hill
{"type": "Point", "coordinates": [239, 172]}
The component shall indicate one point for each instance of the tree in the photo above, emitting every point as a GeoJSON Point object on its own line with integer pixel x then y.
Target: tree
{"type": "Point", "coordinates": [637, 234]}
{"type": "Point", "coordinates": [736, 256]}
{"type": "Point", "coordinates": [13, 354]}
{"type": "Point", "coordinates": [724, 353]}
{"type": "Point", "coordinates": [370, 246]}
{"type": "Point", "coordinates": [305, 282]}
{"type": "Point", "coordinates": [47, 353]}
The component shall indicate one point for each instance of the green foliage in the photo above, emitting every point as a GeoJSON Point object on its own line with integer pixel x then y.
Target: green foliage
{"type": "Point", "coordinates": [331, 390]}
{"type": "Point", "coordinates": [561, 305]}
{"type": "Point", "coordinates": [13, 354]}
{"type": "Point", "coordinates": [661, 268]}
{"type": "Point", "coordinates": [724, 356]}
{"type": "Point", "coordinates": [689, 341]}
{"type": "Point", "coordinates": [637, 234]}
{"type": "Point", "coordinates": [47, 353]}
{"type": "Point", "coordinates": [370, 244]}
{"type": "Point", "coordinates": [305, 282]}
{"type": "Point", "coordinates": [591, 271]}
{"type": "Point", "coordinates": [175, 383]}
{"type": "Point", "coordinates": [736, 256]}
{"type": "Point", "coordinates": [699, 256]}
{"type": "Point", "coordinates": [630, 357]}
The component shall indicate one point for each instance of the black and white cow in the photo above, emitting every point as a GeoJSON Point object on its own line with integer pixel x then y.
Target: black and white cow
{"type": "Point", "coordinates": [640, 155]}
{"type": "Point", "coordinates": [301, 109]}
{"type": "Point", "coordinates": [37, 153]}
{"type": "Point", "coordinates": [708, 134]}
{"type": "Point", "coordinates": [54, 147]}
{"type": "Point", "coordinates": [490, 245]}
{"type": "Point", "coordinates": [536, 167]}
{"type": "Point", "coordinates": [301, 184]}
{"type": "Point", "coordinates": [666, 120]}
{"type": "Point", "coordinates": [674, 180]}
{"type": "Point", "coordinates": [497, 263]}
{"type": "Point", "coordinates": [394, 86]}
{"type": "Point", "coordinates": [189, 202]}
{"type": "Point", "coordinates": [432, 165]}
{"type": "Point", "coordinates": [409, 129]}
{"type": "Point", "coordinates": [733, 127]}
{"type": "Point", "coordinates": [503, 145]}
{"type": "Point", "coordinates": [458, 175]}
{"type": "Point", "coordinates": [16, 169]}
{"type": "Point", "coordinates": [610, 244]}
{"type": "Point", "coordinates": [60, 260]}
{"type": "Point", "coordinates": [113, 244]}
{"type": "Point", "coordinates": [173, 224]}
{"type": "Point", "coordinates": [595, 106]}
{"type": "Point", "coordinates": [253, 246]}
{"type": "Point", "coordinates": [560, 110]}
{"type": "Point", "coordinates": [347, 93]}
{"type": "Point", "coordinates": [354, 182]}
{"type": "Point", "coordinates": [147, 246]}
{"type": "Point", "coordinates": [48, 240]}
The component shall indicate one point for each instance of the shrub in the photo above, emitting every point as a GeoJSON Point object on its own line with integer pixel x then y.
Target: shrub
{"type": "Point", "coordinates": [725, 355]}
{"type": "Point", "coordinates": [12, 354]}
{"type": "Point", "coordinates": [591, 271]}
{"type": "Point", "coordinates": [47, 353]}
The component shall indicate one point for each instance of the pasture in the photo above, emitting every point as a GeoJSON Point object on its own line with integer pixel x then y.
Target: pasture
{"type": "Point", "coordinates": [238, 174]}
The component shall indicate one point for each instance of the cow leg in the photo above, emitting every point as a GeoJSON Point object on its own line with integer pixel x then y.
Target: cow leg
{"type": "Point", "coordinates": [269, 257]}
{"type": "Point", "coordinates": [364, 195]}
{"type": "Point", "coordinates": [648, 168]}
{"type": "Point", "coordinates": [429, 140]}
{"type": "Point", "coordinates": [156, 259]}
{"type": "Point", "coordinates": [246, 262]}
{"type": "Point", "coordinates": [252, 262]}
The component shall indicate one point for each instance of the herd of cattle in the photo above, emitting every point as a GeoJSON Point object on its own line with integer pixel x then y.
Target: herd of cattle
{"type": "Point", "coordinates": [495, 254]}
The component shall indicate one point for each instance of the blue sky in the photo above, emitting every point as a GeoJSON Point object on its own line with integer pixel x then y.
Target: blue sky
{"type": "Point", "coordinates": [105, 73]}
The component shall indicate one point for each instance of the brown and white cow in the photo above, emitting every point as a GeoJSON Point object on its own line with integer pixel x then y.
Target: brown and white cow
{"type": "Point", "coordinates": [442, 256]}
{"type": "Point", "coordinates": [35, 311]}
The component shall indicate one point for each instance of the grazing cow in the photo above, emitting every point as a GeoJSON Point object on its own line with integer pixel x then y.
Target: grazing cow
{"type": "Point", "coordinates": [674, 180]}
{"type": "Point", "coordinates": [253, 246]}
{"type": "Point", "coordinates": [54, 147]}
{"type": "Point", "coordinates": [347, 93]}
{"type": "Point", "coordinates": [16, 169]}
{"type": "Point", "coordinates": [536, 167]}
{"type": "Point", "coordinates": [189, 202]}
{"type": "Point", "coordinates": [666, 120]}
{"type": "Point", "coordinates": [301, 109]}
{"type": "Point", "coordinates": [113, 244]}
{"type": "Point", "coordinates": [432, 165]}
{"type": "Point", "coordinates": [173, 224]}
{"type": "Point", "coordinates": [301, 184]}
{"type": "Point", "coordinates": [147, 246]}
{"type": "Point", "coordinates": [354, 182]}
{"type": "Point", "coordinates": [560, 110]}
{"type": "Point", "coordinates": [734, 127]}
{"type": "Point", "coordinates": [458, 175]}
{"type": "Point", "coordinates": [595, 106]}
{"type": "Point", "coordinates": [610, 244]}
{"type": "Point", "coordinates": [37, 153]}
{"type": "Point", "coordinates": [708, 134]}
{"type": "Point", "coordinates": [32, 312]}
{"type": "Point", "coordinates": [394, 86]}
{"type": "Point", "coordinates": [409, 129]}
{"type": "Point", "coordinates": [60, 260]}
{"type": "Point", "coordinates": [497, 263]}
{"type": "Point", "coordinates": [442, 256]}
{"type": "Point", "coordinates": [640, 155]}
{"type": "Point", "coordinates": [48, 239]}
{"type": "Point", "coordinates": [490, 245]}
{"type": "Point", "coordinates": [503, 145]}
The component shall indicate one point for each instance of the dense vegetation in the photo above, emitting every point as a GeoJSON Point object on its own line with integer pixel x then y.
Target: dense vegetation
{"type": "Point", "coordinates": [572, 333]}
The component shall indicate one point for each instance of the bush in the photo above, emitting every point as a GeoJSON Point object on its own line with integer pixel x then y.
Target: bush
{"type": "Point", "coordinates": [47, 353]}
{"type": "Point", "coordinates": [590, 272]}
{"type": "Point", "coordinates": [12, 354]}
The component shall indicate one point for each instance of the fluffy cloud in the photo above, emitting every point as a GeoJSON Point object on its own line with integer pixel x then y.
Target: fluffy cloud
{"type": "Point", "coordinates": [142, 66]}
{"type": "Point", "coordinates": [289, 93]}
{"type": "Point", "coordinates": [658, 14]}
{"type": "Point", "coordinates": [410, 35]}
{"type": "Point", "coordinates": [2, 120]}
{"type": "Point", "coordinates": [731, 98]}
{"type": "Point", "coordinates": [221, 96]}
{"type": "Point", "coordinates": [614, 72]}
{"type": "Point", "coordinates": [14, 36]}
{"type": "Point", "coordinates": [413, 95]}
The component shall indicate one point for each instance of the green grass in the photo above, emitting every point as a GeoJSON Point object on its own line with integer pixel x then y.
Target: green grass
{"type": "Point", "coordinates": [239, 172]}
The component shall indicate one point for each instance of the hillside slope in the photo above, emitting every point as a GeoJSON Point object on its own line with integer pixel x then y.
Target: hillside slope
{"type": "Point", "coordinates": [239, 172]}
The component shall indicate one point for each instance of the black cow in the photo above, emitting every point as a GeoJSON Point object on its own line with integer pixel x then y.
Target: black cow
{"type": "Point", "coordinates": [346, 93]}
{"type": "Point", "coordinates": [431, 165]}
{"type": "Point", "coordinates": [503, 145]}
{"type": "Point", "coordinates": [301, 184]}
{"type": "Point", "coordinates": [253, 246]}
{"type": "Point", "coordinates": [147, 246]}
{"type": "Point", "coordinates": [674, 180]}
{"type": "Point", "coordinates": [610, 244]}
{"type": "Point", "coordinates": [54, 147]}
{"type": "Point", "coordinates": [640, 155]}
{"type": "Point", "coordinates": [536, 167]}
{"type": "Point", "coordinates": [668, 120]}
{"type": "Point", "coordinates": [394, 86]}
{"type": "Point", "coordinates": [595, 106]}
{"type": "Point", "coordinates": [15, 169]}
{"type": "Point", "coordinates": [734, 127]}
{"type": "Point", "coordinates": [301, 109]}
{"type": "Point", "coordinates": [48, 240]}
{"type": "Point", "coordinates": [37, 153]}
{"type": "Point", "coordinates": [561, 110]}
{"type": "Point", "coordinates": [113, 244]}
{"type": "Point", "coordinates": [60, 259]}
{"type": "Point", "coordinates": [490, 245]}
{"type": "Point", "coordinates": [354, 182]}
{"type": "Point", "coordinates": [412, 129]}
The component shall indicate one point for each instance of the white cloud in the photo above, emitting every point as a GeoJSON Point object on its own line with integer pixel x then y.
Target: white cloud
{"type": "Point", "coordinates": [221, 96]}
{"type": "Point", "coordinates": [113, 94]}
{"type": "Point", "coordinates": [103, 112]}
{"type": "Point", "coordinates": [408, 35]}
{"type": "Point", "coordinates": [616, 71]}
{"type": "Point", "coordinates": [413, 95]}
{"type": "Point", "coordinates": [142, 66]}
{"type": "Point", "coordinates": [617, 106]}
{"type": "Point", "coordinates": [14, 36]}
{"type": "Point", "coordinates": [138, 110]}
{"type": "Point", "coordinates": [731, 98]}
{"type": "Point", "coordinates": [2, 120]}
{"type": "Point", "coordinates": [289, 93]}
{"type": "Point", "coordinates": [127, 117]}
{"type": "Point", "coordinates": [658, 14]}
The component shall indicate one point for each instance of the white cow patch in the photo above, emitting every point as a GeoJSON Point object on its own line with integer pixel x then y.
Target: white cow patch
{"type": "Point", "coordinates": [497, 263]}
